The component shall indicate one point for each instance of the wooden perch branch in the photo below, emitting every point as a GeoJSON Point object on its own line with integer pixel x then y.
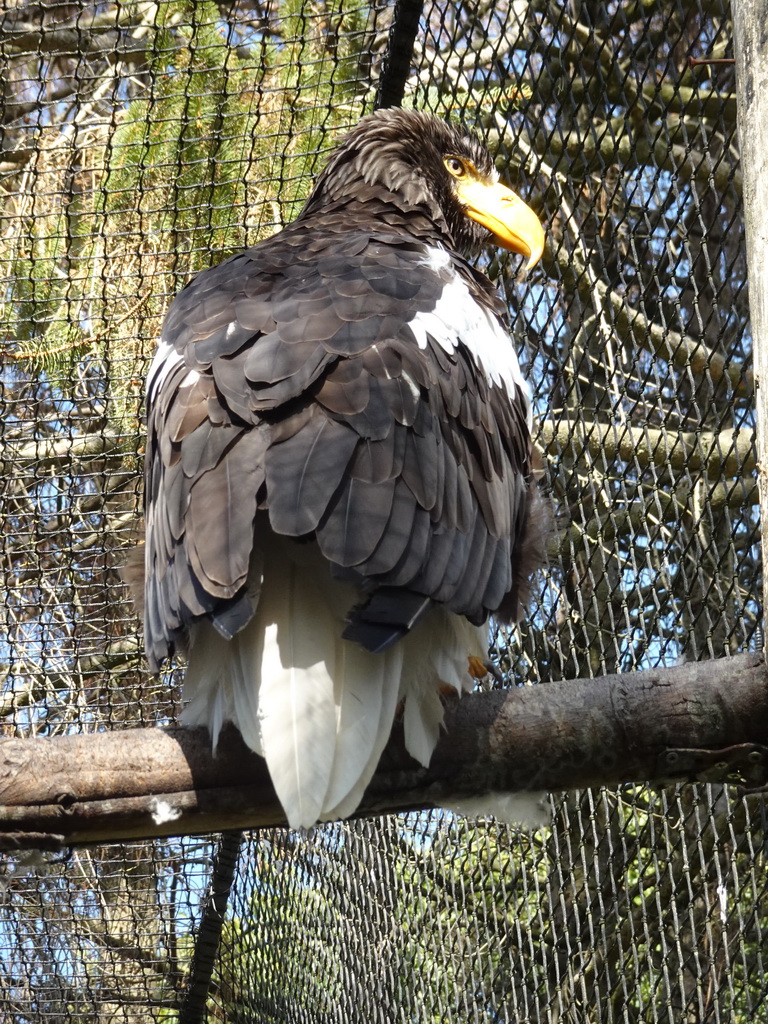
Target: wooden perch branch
{"type": "Point", "coordinates": [702, 720]}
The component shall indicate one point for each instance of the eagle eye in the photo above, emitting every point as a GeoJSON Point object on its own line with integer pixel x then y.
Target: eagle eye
{"type": "Point", "coordinates": [456, 167]}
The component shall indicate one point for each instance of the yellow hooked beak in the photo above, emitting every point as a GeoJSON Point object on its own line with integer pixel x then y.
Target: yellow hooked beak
{"type": "Point", "coordinates": [513, 224]}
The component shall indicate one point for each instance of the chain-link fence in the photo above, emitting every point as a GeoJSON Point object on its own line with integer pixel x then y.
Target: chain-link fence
{"type": "Point", "coordinates": [143, 141]}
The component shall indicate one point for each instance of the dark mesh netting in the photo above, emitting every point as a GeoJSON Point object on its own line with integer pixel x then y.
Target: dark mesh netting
{"type": "Point", "coordinates": [143, 141]}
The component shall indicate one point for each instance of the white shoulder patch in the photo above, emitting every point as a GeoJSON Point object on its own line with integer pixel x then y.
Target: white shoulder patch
{"type": "Point", "coordinates": [457, 318]}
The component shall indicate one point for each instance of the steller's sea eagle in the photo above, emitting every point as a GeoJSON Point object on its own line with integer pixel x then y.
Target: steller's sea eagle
{"type": "Point", "coordinates": [339, 473]}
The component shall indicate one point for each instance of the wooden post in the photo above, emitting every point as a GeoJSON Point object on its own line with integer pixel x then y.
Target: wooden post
{"type": "Point", "coordinates": [750, 22]}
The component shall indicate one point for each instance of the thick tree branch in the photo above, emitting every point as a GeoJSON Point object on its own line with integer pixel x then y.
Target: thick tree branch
{"type": "Point", "coordinates": [632, 327]}
{"type": "Point", "coordinates": [660, 507]}
{"type": "Point", "coordinates": [117, 654]}
{"type": "Point", "coordinates": [683, 351]}
{"type": "Point", "coordinates": [703, 720]}
{"type": "Point", "coordinates": [629, 323]}
{"type": "Point", "coordinates": [111, 33]}
{"type": "Point", "coordinates": [70, 42]}
{"type": "Point", "coordinates": [730, 453]}
{"type": "Point", "coordinates": [59, 450]}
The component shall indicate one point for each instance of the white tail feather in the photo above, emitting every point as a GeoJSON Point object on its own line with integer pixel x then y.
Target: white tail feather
{"type": "Point", "coordinates": [422, 719]}
{"type": "Point", "coordinates": [247, 658]}
{"type": "Point", "coordinates": [297, 709]}
{"type": "Point", "coordinates": [208, 687]}
{"type": "Point", "coordinates": [298, 729]}
{"type": "Point", "coordinates": [366, 698]}
{"type": "Point", "coordinates": [343, 799]}
{"type": "Point", "coordinates": [319, 709]}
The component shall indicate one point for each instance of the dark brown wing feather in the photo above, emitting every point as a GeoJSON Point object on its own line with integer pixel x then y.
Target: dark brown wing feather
{"type": "Point", "coordinates": [309, 397]}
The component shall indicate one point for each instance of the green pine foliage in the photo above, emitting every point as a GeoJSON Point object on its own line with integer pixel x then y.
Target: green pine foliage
{"type": "Point", "coordinates": [217, 152]}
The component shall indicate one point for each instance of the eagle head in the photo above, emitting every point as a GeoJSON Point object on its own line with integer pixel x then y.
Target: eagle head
{"type": "Point", "coordinates": [441, 179]}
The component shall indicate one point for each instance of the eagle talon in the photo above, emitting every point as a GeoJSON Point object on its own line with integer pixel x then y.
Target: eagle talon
{"type": "Point", "coordinates": [479, 668]}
